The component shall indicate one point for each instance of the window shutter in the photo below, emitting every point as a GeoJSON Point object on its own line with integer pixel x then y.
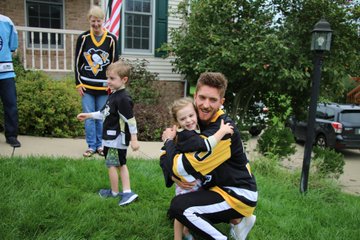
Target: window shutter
{"type": "Point", "coordinates": [161, 25]}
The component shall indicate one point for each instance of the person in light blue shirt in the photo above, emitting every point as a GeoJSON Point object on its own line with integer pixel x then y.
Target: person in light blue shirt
{"type": "Point", "coordinates": [8, 45]}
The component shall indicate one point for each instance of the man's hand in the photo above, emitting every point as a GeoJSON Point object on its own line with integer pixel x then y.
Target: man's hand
{"type": "Point", "coordinates": [169, 133]}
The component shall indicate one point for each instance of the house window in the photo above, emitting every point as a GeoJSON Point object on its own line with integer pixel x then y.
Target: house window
{"type": "Point", "coordinates": [138, 26]}
{"type": "Point", "coordinates": [45, 14]}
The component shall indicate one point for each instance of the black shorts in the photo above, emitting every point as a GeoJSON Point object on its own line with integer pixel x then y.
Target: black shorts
{"type": "Point", "coordinates": [115, 157]}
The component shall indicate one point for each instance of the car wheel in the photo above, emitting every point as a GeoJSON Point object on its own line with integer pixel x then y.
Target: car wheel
{"type": "Point", "coordinates": [254, 131]}
{"type": "Point", "coordinates": [321, 141]}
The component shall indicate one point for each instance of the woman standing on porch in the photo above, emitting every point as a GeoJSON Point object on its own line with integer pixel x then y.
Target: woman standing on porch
{"type": "Point", "coordinates": [96, 49]}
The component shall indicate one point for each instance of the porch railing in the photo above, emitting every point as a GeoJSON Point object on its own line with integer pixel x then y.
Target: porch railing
{"type": "Point", "coordinates": [47, 49]}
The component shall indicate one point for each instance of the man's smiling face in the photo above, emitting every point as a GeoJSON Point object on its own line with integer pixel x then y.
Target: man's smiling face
{"type": "Point", "coordinates": [208, 101]}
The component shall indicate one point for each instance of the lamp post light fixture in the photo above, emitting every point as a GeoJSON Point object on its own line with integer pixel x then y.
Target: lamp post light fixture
{"type": "Point", "coordinates": [321, 41]}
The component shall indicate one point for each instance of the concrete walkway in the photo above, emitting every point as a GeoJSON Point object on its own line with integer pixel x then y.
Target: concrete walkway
{"type": "Point", "coordinates": [67, 147]}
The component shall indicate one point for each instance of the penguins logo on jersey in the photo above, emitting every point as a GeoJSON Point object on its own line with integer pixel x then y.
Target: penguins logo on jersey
{"type": "Point", "coordinates": [96, 59]}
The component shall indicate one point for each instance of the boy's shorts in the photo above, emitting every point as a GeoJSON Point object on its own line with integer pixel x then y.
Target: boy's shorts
{"type": "Point", "coordinates": [114, 157]}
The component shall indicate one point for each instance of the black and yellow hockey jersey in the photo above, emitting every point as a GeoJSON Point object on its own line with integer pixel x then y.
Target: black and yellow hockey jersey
{"type": "Point", "coordinates": [91, 60]}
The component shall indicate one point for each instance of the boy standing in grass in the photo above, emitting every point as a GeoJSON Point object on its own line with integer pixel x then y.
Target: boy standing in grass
{"type": "Point", "coordinates": [119, 128]}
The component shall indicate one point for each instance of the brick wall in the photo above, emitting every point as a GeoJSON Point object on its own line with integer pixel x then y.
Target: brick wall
{"type": "Point", "coordinates": [75, 12]}
{"type": "Point", "coordinates": [170, 90]}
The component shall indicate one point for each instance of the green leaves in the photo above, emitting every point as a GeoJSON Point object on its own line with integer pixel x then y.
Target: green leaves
{"type": "Point", "coordinates": [241, 39]}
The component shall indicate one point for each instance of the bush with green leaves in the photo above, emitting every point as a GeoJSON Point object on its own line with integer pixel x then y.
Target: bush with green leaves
{"type": "Point", "coordinates": [48, 107]}
{"type": "Point", "coordinates": [277, 140]}
{"type": "Point", "coordinates": [328, 162]}
{"type": "Point", "coordinates": [141, 85]}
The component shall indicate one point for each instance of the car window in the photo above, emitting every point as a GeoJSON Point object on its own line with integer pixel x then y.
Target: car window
{"type": "Point", "coordinates": [330, 114]}
{"type": "Point", "coordinates": [320, 112]}
{"type": "Point", "coordinates": [350, 116]}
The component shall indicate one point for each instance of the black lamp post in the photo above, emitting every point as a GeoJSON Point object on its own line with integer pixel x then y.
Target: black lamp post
{"type": "Point", "coordinates": [321, 41]}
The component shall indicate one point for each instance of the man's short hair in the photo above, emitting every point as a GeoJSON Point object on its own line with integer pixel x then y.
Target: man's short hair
{"type": "Point", "coordinates": [213, 79]}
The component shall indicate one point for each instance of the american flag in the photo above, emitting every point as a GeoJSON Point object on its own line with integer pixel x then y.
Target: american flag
{"type": "Point", "coordinates": [112, 24]}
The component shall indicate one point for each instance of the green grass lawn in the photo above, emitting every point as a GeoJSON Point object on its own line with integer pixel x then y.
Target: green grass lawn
{"type": "Point", "coordinates": [56, 198]}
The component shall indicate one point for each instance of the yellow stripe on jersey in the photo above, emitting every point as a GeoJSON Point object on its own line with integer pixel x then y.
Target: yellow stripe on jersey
{"type": "Point", "coordinates": [91, 87]}
{"type": "Point", "coordinates": [235, 203]}
{"type": "Point", "coordinates": [175, 169]}
{"type": "Point", "coordinates": [216, 115]}
{"type": "Point", "coordinates": [96, 43]}
{"type": "Point", "coordinates": [205, 162]}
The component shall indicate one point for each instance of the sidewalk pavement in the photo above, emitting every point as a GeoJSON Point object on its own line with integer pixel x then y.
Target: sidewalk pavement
{"type": "Point", "coordinates": [68, 147]}
{"type": "Point", "coordinates": [75, 147]}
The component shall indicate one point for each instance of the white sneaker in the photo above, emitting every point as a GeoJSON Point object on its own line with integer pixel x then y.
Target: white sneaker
{"type": "Point", "coordinates": [241, 230]}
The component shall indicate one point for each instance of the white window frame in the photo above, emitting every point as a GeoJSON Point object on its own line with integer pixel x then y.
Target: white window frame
{"type": "Point", "coordinates": [151, 38]}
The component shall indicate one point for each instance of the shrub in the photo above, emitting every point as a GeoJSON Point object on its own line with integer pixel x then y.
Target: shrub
{"type": "Point", "coordinates": [47, 107]}
{"type": "Point", "coordinates": [151, 121]}
{"type": "Point", "coordinates": [328, 163]}
{"type": "Point", "coordinates": [277, 140]}
{"type": "Point", "coordinates": [141, 87]}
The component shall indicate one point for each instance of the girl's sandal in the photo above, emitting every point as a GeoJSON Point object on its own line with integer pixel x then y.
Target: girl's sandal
{"type": "Point", "coordinates": [100, 151]}
{"type": "Point", "coordinates": [88, 153]}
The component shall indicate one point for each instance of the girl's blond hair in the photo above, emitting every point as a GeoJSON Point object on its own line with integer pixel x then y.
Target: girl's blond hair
{"type": "Point", "coordinates": [96, 11]}
{"type": "Point", "coordinates": [180, 104]}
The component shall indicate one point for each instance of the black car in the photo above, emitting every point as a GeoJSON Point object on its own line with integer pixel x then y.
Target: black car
{"type": "Point", "coordinates": [337, 126]}
{"type": "Point", "coordinates": [256, 118]}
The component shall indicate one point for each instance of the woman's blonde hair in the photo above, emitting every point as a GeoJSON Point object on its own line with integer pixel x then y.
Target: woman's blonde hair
{"type": "Point", "coordinates": [180, 104]}
{"type": "Point", "coordinates": [96, 11]}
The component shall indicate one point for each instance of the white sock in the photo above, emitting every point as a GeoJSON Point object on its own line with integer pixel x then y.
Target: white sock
{"type": "Point", "coordinates": [114, 193]}
{"type": "Point", "coordinates": [127, 191]}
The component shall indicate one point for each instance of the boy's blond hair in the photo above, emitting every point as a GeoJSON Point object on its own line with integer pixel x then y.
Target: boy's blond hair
{"type": "Point", "coordinates": [180, 104]}
{"type": "Point", "coordinates": [120, 68]}
{"type": "Point", "coordinates": [96, 11]}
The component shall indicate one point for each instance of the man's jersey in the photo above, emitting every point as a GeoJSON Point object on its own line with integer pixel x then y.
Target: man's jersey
{"type": "Point", "coordinates": [8, 44]}
{"type": "Point", "coordinates": [91, 60]}
{"type": "Point", "coordinates": [225, 168]}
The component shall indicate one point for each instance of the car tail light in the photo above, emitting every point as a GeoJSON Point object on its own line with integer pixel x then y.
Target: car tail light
{"type": "Point", "coordinates": [337, 127]}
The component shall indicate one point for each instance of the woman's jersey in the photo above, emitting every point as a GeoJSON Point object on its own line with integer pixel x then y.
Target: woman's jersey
{"type": "Point", "coordinates": [92, 57]}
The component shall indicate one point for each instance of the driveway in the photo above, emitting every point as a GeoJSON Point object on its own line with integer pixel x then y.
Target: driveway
{"type": "Point", "coordinates": [349, 180]}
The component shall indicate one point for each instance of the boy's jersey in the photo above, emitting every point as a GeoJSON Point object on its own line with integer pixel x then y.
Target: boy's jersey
{"type": "Point", "coordinates": [226, 168]}
{"type": "Point", "coordinates": [119, 118]}
{"type": "Point", "coordinates": [8, 44]}
{"type": "Point", "coordinates": [91, 60]}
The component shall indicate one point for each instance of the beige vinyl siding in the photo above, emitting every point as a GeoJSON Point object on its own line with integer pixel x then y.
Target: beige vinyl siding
{"type": "Point", "coordinates": [159, 65]}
